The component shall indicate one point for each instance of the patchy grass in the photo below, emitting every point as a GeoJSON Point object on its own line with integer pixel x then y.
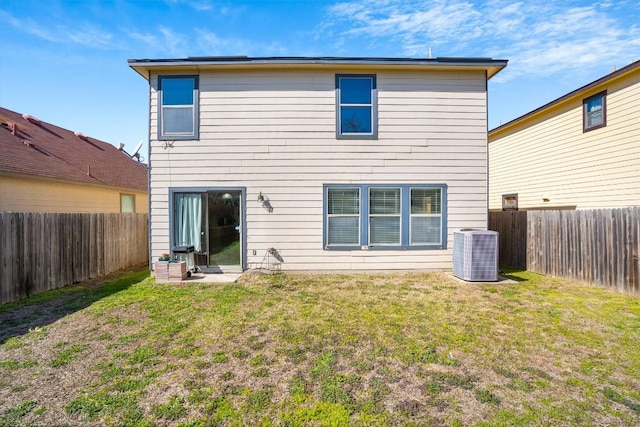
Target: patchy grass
{"type": "Point", "coordinates": [285, 349]}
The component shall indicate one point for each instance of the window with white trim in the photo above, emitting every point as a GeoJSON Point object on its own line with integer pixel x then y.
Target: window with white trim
{"type": "Point", "coordinates": [375, 216]}
{"type": "Point", "coordinates": [594, 111]}
{"type": "Point", "coordinates": [356, 106]}
{"type": "Point", "coordinates": [178, 107]}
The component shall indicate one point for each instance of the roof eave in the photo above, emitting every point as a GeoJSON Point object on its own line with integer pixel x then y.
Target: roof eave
{"type": "Point", "coordinates": [144, 66]}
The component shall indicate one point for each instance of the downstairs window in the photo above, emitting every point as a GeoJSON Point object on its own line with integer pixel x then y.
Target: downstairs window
{"type": "Point", "coordinates": [367, 216]}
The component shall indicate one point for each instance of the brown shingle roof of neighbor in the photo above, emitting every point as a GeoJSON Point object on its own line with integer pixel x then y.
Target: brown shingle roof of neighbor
{"type": "Point", "coordinates": [40, 149]}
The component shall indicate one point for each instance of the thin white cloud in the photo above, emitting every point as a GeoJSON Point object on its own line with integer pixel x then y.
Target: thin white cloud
{"type": "Point", "coordinates": [540, 38]}
{"type": "Point", "coordinates": [173, 42]}
{"type": "Point", "coordinates": [164, 42]}
{"type": "Point", "coordinates": [211, 44]}
{"type": "Point", "coordinates": [147, 39]}
{"type": "Point", "coordinates": [204, 6]}
{"type": "Point", "coordinates": [89, 35]}
{"type": "Point", "coordinates": [30, 27]}
{"type": "Point", "coordinates": [85, 34]}
{"type": "Point", "coordinates": [215, 45]}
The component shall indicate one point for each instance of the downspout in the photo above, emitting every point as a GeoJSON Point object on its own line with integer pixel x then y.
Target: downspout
{"type": "Point", "coordinates": [486, 94]}
{"type": "Point", "coordinates": [149, 173]}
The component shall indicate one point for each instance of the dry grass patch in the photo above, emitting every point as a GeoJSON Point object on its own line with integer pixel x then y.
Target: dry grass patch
{"type": "Point", "coordinates": [286, 349]}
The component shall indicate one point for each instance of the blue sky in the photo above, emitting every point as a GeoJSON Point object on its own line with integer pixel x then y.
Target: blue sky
{"type": "Point", "coordinates": [65, 62]}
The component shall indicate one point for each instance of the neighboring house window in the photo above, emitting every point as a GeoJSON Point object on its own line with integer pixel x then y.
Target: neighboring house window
{"type": "Point", "coordinates": [178, 100]}
{"type": "Point", "coordinates": [127, 203]}
{"type": "Point", "coordinates": [369, 216]}
{"type": "Point", "coordinates": [509, 202]}
{"type": "Point", "coordinates": [356, 109]}
{"type": "Point", "coordinates": [595, 111]}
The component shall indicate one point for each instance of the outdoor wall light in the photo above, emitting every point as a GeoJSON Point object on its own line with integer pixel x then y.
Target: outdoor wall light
{"type": "Point", "coordinates": [264, 201]}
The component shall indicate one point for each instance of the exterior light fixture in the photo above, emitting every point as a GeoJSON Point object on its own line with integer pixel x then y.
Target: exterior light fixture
{"type": "Point", "coordinates": [261, 198]}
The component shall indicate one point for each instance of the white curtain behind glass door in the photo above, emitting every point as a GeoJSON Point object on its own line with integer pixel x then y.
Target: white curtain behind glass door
{"type": "Point", "coordinates": [188, 219]}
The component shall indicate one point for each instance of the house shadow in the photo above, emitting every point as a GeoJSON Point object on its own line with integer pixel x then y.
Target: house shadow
{"type": "Point", "coordinates": [42, 309]}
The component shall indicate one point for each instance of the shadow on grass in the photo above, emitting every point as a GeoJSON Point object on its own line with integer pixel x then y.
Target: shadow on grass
{"type": "Point", "coordinates": [514, 273]}
{"type": "Point", "coordinates": [19, 317]}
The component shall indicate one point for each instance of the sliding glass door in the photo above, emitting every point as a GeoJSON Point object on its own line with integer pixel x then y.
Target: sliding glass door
{"type": "Point", "coordinates": [224, 228]}
{"type": "Point", "coordinates": [211, 221]}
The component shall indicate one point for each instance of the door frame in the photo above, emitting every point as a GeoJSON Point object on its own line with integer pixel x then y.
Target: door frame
{"type": "Point", "coordinates": [243, 215]}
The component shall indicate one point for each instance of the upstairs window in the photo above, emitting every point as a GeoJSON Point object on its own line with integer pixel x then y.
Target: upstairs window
{"type": "Point", "coordinates": [356, 98]}
{"type": "Point", "coordinates": [178, 100]}
{"type": "Point", "coordinates": [594, 111]}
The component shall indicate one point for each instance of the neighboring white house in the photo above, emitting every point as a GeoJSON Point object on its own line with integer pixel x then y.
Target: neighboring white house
{"type": "Point", "coordinates": [317, 163]}
{"type": "Point", "coordinates": [580, 151]}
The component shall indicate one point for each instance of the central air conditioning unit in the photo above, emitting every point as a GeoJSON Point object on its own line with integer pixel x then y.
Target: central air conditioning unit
{"type": "Point", "coordinates": [475, 255]}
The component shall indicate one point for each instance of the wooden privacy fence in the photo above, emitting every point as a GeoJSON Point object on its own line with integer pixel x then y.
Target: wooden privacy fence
{"type": "Point", "coordinates": [41, 251]}
{"type": "Point", "coordinates": [599, 247]}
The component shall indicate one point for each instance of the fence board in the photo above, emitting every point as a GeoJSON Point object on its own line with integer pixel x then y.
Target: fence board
{"type": "Point", "coordinates": [511, 251]}
{"type": "Point", "coordinates": [41, 251]}
{"type": "Point", "coordinates": [599, 247]}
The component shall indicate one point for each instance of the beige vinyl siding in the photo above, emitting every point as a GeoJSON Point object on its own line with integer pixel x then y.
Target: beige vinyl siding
{"type": "Point", "coordinates": [275, 133]}
{"type": "Point", "coordinates": [552, 157]}
{"type": "Point", "coordinates": [29, 195]}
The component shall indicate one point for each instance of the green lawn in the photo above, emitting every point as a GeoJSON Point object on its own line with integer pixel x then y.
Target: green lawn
{"type": "Point", "coordinates": [330, 350]}
{"type": "Point", "coordinates": [230, 255]}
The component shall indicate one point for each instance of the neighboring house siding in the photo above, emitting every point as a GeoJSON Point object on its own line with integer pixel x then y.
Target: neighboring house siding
{"type": "Point", "coordinates": [275, 133]}
{"type": "Point", "coordinates": [552, 157]}
{"type": "Point", "coordinates": [29, 195]}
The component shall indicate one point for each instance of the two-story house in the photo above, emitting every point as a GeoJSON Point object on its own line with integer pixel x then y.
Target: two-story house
{"type": "Point", "coordinates": [579, 151]}
{"type": "Point", "coordinates": [325, 163]}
